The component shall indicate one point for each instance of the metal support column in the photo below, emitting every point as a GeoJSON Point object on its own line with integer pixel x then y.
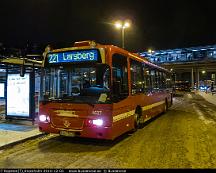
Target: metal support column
{"type": "Point", "coordinates": [197, 83]}
{"type": "Point", "coordinates": [192, 78]}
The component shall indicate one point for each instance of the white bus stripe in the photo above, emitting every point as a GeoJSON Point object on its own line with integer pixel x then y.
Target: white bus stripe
{"type": "Point", "coordinates": [144, 108]}
{"type": "Point", "coordinates": [123, 115]}
{"type": "Point", "coordinates": [130, 113]}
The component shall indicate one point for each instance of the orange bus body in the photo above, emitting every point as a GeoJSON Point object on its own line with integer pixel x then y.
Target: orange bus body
{"type": "Point", "coordinates": [76, 119]}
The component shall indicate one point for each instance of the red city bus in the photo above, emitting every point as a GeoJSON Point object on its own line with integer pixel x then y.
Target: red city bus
{"type": "Point", "coordinates": [100, 91]}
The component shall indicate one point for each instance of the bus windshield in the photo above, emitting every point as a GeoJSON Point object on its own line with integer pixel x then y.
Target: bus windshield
{"type": "Point", "coordinates": [77, 84]}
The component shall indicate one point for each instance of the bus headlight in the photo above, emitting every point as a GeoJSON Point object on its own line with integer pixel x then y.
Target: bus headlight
{"type": "Point", "coordinates": [44, 118]}
{"type": "Point", "coordinates": [93, 123]}
{"type": "Point", "coordinates": [97, 122]}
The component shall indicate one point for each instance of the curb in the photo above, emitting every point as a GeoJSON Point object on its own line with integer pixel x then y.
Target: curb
{"type": "Point", "coordinates": [20, 141]}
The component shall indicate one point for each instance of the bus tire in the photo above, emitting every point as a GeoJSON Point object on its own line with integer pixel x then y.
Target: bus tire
{"type": "Point", "coordinates": [136, 121]}
{"type": "Point", "coordinates": [171, 101]}
{"type": "Point", "coordinates": [165, 106]}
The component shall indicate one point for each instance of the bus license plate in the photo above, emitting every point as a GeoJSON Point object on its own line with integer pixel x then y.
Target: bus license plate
{"type": "Point", "coordinates": [66, 133]}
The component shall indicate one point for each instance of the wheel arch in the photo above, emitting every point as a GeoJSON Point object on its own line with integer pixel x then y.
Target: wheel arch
{"type": "Point", "coordinates": [138, 110]}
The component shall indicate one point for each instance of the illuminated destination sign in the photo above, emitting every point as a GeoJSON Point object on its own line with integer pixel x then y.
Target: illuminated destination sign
{"type": "Point", "coordinates": [73, 56]}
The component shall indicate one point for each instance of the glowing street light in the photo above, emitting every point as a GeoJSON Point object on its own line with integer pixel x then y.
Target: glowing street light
{"type": "Point", "coordinates": [150, 51]}
{"type": "Point", "coordinates": [203, 71]}
{"type": "Point", "coordinates": [122, 25]}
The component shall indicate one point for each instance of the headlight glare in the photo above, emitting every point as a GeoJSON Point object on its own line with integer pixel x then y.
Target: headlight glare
{"type": "Point", "coordinates": [44, 118]}
{"type": "Point", "coordinates": [98, 122]}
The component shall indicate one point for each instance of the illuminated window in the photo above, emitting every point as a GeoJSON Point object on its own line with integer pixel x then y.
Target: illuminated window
{"type": "Point", "coordinates": [136, 77]}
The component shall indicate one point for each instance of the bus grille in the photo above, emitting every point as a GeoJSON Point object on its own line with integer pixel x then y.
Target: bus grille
{"type": "Point", "coordinates": [67, 123]}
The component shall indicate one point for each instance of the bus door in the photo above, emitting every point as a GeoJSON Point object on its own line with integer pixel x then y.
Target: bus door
{"type": "Point", "coordinates": [122, 109]}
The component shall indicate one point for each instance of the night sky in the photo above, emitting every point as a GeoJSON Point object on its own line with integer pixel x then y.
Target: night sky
{"type": "Point", "coordinates": [156, 24]}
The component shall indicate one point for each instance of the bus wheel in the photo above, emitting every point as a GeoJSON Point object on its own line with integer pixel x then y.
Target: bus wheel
{"type": "Point", "coordinates": [171, 100]}
{"type": "Point", "coordinates": [165, 106]}
{"type": "Point", "coordinates": [136, 121]}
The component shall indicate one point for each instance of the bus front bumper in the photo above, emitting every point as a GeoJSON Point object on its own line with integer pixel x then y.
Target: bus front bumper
{"type": "Point", "coordinates": [88, 132]}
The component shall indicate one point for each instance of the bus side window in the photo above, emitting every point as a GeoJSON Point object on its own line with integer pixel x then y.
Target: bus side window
{"type": "Point", "coordinates": [147, 79]}
{"type": "Point", "coordinates": [136, 77]}
{"type": "Point", "coordinates": [163, 80]}
{"type": "Point", "coordinates": [152, 76]}
{"type": "Point", "coordinates": [160, 80]}
{"type": "Point", "coordinates": [168, 81]}
{"type": "Point", "coordinates": [156, 80]}
{"type": "Point", "coordinates": [120, 76]}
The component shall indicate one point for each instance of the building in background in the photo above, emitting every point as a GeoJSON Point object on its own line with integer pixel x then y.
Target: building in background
{"type": "Point", "coordinates": [196, 65]}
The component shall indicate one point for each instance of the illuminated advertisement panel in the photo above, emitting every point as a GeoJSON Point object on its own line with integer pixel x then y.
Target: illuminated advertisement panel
{"type": "Point", "coordinates": [73, 56]}
{"type": "Point", "coordinates": [18, 101]}
{"type": "Point", "coordinates": [2, 87]}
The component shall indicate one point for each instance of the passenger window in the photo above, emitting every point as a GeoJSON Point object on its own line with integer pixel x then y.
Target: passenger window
{"type": "Point", "coordinates": [161, 80]}
{"type": "Point", "coordinates": [136, 77]}
{"type": "Point", "coordinates": [152, 76]}
{"type": "Point", "coordinates": [156, 80]}
{"type": "Point", "coordinates": [147, 79]}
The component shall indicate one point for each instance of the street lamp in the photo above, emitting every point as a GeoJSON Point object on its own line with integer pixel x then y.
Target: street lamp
{"type": "Point", "coordinates": [150, 51]}
{"type": "Point", "coordinates": [122, 25]}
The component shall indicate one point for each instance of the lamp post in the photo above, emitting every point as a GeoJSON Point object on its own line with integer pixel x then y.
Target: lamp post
{"type": "Point", "coordinates": [122, 25]}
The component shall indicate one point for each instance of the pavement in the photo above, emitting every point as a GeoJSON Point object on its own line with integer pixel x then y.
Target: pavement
{"type": "Point", "coordinates": [208, 96]}
{"type": "Point", "coordinates": [17, 131]}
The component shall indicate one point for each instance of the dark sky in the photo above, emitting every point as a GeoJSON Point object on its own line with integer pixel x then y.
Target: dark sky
{"type": "Point", "coordinates": [156, 24]}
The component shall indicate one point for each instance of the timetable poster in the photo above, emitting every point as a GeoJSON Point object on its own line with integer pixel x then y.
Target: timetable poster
{"type": "Point", "coordinates": [18, 100]}
{"type": "Point", "coordinates": [2, 91]}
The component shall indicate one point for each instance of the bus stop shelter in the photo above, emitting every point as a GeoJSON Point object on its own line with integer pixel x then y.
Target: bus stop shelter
{"type": "Point", "coordinates": [19, 88]}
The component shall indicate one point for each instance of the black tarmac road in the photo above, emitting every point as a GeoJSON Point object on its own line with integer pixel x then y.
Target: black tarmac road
{"type": "Point", "coordinates": [184, 137]}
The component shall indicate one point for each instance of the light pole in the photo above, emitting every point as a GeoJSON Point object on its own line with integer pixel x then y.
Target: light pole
{"type": "Point", "coordinates": [122, 25]}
